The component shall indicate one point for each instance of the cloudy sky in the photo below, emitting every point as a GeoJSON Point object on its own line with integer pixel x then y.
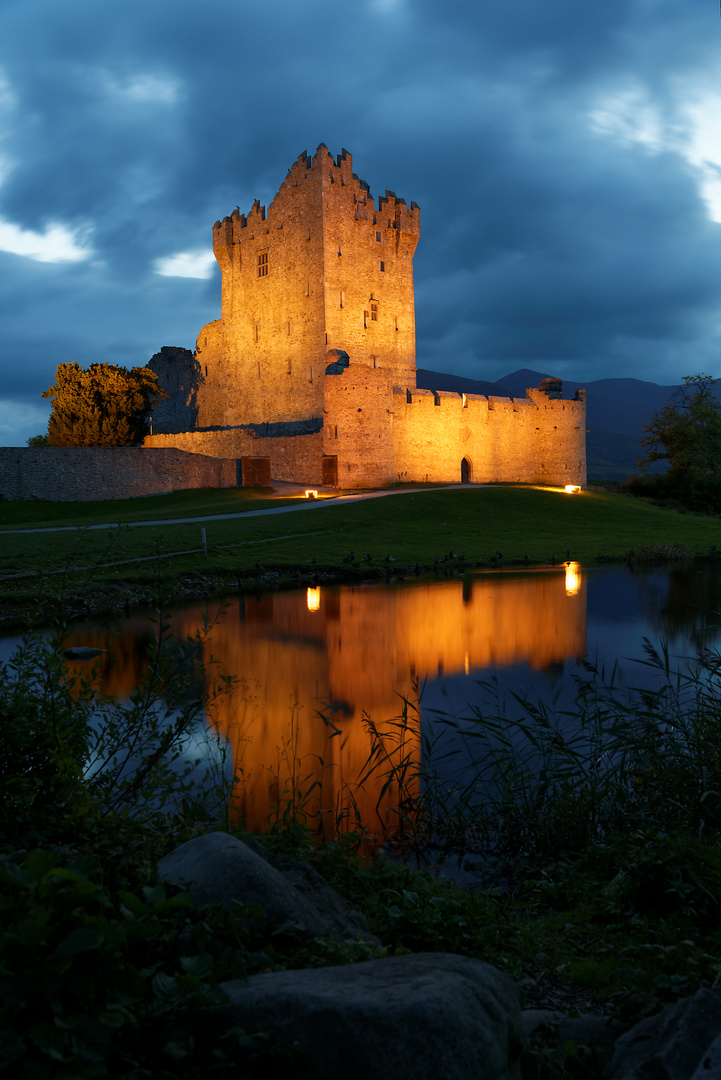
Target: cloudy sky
{"type": "Point", "coordinates": [566, 157]}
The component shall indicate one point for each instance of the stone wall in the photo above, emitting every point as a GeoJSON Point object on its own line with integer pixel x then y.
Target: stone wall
{"type": "Point", "coordinates": [561, 438]}
{"type": "Point", "coordinates": [295, 458]}
{"type": "Point", "coordinates": [528, 440]}
{"type": "Point", "coordinates": [324, 275]}
{"type": "Point", "coordinates": [359, 426]}
{"type": "Point", "coordinates": [381, 435]}
{"type": "Point", "coordinates": [84, 474]}
{"type": "Point", "coordinates": [325, 267]}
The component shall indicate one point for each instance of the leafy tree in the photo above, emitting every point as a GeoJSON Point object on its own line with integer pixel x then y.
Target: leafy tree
{"type": "Point", "coordinates": [38, 440]}
{"type": "Point", "coordinates": [103, 406]}
{"type": "Point", "coordinates": [687, 434]}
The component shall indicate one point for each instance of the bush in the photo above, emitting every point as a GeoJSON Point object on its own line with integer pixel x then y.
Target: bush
{"type": "Point", "coordinates": [95, 985]}
{"type": "Point", "coordinates": [702, 495]}
{"type": "Point", "coordinates": [45, 719]}
{"type": "Point", "coordinates": [72, 757]}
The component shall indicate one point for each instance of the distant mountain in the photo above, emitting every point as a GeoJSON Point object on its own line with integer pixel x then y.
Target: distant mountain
{"type": "Point", "coordinates": [616, 412]}
{"type": "Point", "coordinates": [436, 380]}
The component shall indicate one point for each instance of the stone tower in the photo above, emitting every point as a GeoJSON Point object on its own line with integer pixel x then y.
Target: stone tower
{"type": "Point", "coordinates": [324, 269]}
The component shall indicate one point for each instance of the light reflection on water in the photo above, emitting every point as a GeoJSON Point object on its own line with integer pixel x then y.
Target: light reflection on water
{"type": "Point", "coordinates": [313, 666]}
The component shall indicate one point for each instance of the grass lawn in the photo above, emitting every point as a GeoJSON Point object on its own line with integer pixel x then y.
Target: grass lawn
{"type": "Point", "coordinates": [415, 527]}
{"type": "Point", "coordinates": [192, 503]}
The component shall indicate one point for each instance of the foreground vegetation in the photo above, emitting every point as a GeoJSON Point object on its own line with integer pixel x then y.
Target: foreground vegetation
{"type": "Point", "coordinates": [595, 834]}
{"type": "Point", "coordinates": [412, 532]}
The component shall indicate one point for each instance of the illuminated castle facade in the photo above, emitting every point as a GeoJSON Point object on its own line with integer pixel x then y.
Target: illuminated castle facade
{"type": "Point", "coordinates": [311, 367]}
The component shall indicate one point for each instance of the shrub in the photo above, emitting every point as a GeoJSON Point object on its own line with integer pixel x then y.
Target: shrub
{"type": "Point", "coordinates": [71, 756]}
{"type": "Point", "coordinates": [95, 985]}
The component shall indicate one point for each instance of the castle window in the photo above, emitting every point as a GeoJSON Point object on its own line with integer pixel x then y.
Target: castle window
{"type": "Point", "coordinates": [374, 313]}
{"type": "Point", "coordinates": [341, 299]}
{"type": "Point", "coordinates": [383, 266]}
{"type": "Point", "coordinates": [263, 264]}
{"type": "Point", "coordinates": [365, 319]}
{"type": "Point", "coordinates": [332, 431]}
{"type": "Point", "coordinates": [288, 328]}
{"type": "Point", "coordinates": [257, 331]}
{"type": "Point", "coordinates": [378, 236]}
{"type": "Point", "coordinates": [396, 321]}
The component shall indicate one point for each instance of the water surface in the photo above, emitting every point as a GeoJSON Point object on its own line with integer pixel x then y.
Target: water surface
{"type": "Point", "coordinates": [318, 671]}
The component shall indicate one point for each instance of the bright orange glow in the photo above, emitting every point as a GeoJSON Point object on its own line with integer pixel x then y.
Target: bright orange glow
{"type": "Point", "coordinates": [573, 578]}
{"type": "Point", "coordinates": [322, 684]}
{"type": "Point", "coordinates": [571, 489]}
{"type": "Point", "coordinates": [311, 493]}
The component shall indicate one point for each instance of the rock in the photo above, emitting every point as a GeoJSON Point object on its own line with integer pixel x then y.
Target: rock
{"type": "Point", "coordinates": [672, 1044]}
{"type": "Point", "coordinates": [343, 920]}
{"type": "Point", "coordinates": [426, 1016]}
{"type": "Point", "coordinates": [709, 1067]}
{"type": "Point", "coordinates": [218, 868]}
{"type": "Point", "coordinates": [82, 652]}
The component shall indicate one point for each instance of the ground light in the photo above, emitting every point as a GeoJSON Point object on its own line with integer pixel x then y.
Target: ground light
{"type": "Point", "coordinates": [573, 578]}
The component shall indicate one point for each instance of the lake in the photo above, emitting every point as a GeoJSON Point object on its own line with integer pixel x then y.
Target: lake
{"type": "Point", "coordinates": [321, 673]}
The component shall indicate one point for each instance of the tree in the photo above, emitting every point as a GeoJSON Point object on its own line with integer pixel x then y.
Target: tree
{"type": "Point", "coordinates": [103, 406]}
{"type": "Point", "coordinates": [38, 440]}
{"type": "Point", "coordinates": [687, 434]}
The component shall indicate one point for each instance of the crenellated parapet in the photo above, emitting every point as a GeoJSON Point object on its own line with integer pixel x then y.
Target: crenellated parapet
{"type": "Point", "coordinates": [318, 320]}
{"type": "Point", "coordinates": [391, 212]}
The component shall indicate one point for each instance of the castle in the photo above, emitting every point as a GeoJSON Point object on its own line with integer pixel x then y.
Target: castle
{"type": "Point", "coordinates": [309, 375]}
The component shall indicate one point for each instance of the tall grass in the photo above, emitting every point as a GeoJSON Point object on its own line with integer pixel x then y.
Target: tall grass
{"type": "Point", "coordinates": [72, 756]}
{"type": "Point", "coordinates": [516, 777]}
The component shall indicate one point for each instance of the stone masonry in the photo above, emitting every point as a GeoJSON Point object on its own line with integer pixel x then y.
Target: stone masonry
{"type": "Point", "coordinates": [87, 473]}
{"type": "Point", "coordinates": [317, 328]}
{"type": "Point", "coordinates": [312, 367]}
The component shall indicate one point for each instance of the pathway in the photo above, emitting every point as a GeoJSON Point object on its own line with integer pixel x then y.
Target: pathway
{"type": "Point", "coordinates": [283, 489]}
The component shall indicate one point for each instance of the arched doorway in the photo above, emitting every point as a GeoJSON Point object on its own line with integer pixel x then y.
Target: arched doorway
{"type": "Point", "coordinates": [465, 471]}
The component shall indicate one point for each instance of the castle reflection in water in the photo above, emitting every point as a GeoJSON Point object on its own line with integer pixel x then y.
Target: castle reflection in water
{"type": "Point", "coordinates": [312, 668]}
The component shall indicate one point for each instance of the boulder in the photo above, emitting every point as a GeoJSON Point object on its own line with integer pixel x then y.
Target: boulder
{"type": "Point", "coordinates": [709, 1068]}
{"type": "Point", "coordinates": [423, 1016]}
{"type": "Point", "coordinates": [218, 869]}
{"type": "Point", "coordinates": [671, 1045]}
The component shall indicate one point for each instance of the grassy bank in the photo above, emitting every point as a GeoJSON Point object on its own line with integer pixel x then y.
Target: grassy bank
{"type": "Point", "coordinates": [416, 529]}
{"type": "Point", "coordinates": [597, 832]}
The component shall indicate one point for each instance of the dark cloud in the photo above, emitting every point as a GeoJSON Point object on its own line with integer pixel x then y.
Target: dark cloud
{"type": "Point", "coordinates": [549, 146]}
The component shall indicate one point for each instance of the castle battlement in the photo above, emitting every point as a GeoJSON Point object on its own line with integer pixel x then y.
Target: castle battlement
{"type": "Point", "coordinates": [315, 348]}
{"type": "Point", "coordinates": [391, 212]}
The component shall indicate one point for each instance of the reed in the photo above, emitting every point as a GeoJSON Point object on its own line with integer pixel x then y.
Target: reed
{"type": "Point", "coordinates": [517, 778]}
